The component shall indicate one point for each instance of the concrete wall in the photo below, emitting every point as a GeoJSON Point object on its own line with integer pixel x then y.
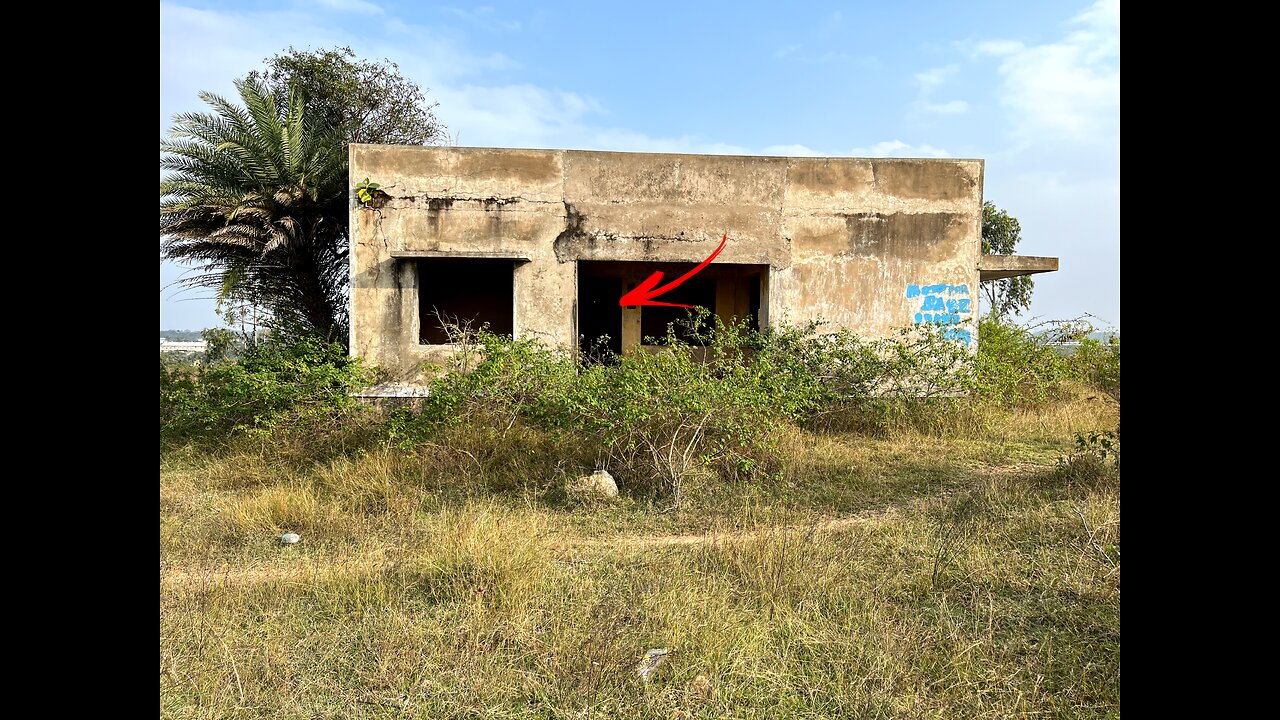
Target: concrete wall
{"type": "Point", "coordinates": [866, 244]}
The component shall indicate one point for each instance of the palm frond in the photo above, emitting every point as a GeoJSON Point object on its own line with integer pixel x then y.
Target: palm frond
{"type": "Point", "coordinates": [255, 195]}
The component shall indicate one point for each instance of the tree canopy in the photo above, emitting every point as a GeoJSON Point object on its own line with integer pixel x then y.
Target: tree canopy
{"type": "Point", "coordinates": [366, 102]}
{"type": "Point", "coordinates": [1001, 233]}
{"type": "Point", "coordinates": [257, 198]}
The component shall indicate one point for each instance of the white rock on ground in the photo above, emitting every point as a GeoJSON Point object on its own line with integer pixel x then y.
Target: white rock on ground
{"type": "Point", "coordinates": [599, 483]}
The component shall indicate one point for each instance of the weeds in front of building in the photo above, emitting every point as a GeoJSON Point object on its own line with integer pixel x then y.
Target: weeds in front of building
{"type": "Point", "coordinates": [710, 409]}
{"type": "Point", "coordinates": [808, 526]}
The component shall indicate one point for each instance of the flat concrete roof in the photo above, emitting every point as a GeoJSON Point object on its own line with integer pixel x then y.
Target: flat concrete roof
{"type": "Point", "coordinates": [995, 267]}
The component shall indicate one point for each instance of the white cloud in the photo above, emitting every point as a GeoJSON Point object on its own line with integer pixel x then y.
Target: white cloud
{"type": "Point", "coordinates": [1069, 89]}
{"type": "Point", "coordinates": [206, 49]}
{"type": "Point", "coordinates": [929, 81]}
{"type": "Point", "coordinates": [791, 150]}
{"type": "Point", "coordinates": [485, 17]}
{"type": "Point", "coordinates": [432, 55]}
{"type": "Point", "coordinates": [515, 115]}
{"type": "Point", "coordinates": [951, 107]}
{"type": "Point", "coordinates": [630, 141]}
{"type": "Point", "coordinates": [997, 47]}
{"type": "Point", "coordinates": [1061, 174]}
{"type": "Point", "coordinates": [356, 6]}
{"type": "Point", "coordinates": [897, 148]}
{"type": "Point", "coordinates": [512, 115]}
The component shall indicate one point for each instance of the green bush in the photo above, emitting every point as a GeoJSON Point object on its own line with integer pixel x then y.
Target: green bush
{"type": "Point", "coordinates": [299, 382]}
{"type": "Point", "coordinates": [871, 385]}
{"type": "Point", "coordinates": [1016, 368]}
{"type": "Point", "coordinates": [1098, 363]}
{"type": "Point", "coordinates": [661, 414]}
{"type": "Point", "coordinates": [651, 416]}
{"type": "Point", "coordinates": [657, 416]}
{"type": "Point", "coordinates": [493, 381]}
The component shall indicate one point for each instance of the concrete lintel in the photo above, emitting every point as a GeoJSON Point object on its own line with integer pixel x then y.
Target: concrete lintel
{"type": "Point", "coordinates": [482, 254]}
{"type": "Point", "coordinates": [995, 267]}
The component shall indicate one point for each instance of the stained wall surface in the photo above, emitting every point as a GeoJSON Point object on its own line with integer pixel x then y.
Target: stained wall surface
{"type": "Point", "coordinates": [866, 244]}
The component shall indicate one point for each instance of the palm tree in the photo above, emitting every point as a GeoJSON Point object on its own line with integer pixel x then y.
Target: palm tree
{"type": "Point", "coordinates": [259, 202]}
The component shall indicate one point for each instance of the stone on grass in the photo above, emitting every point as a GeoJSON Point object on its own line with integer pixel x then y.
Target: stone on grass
{"type": "Point", "coordinates": [650, 662]}
{"type": "Point", "coordinates": [701, 688]}
{"type": "Point", "coordinates": [599, 484]}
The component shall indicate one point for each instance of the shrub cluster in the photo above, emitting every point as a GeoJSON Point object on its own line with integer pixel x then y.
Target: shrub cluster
{"type": "Point", "coordinates": [658, 416]}
{"type": "Point", "coordinates": [1015, 367]}
{"type": "Point", "coordinates": [661, 414]}
{"type": "Point", "coordinates": [298, 382]}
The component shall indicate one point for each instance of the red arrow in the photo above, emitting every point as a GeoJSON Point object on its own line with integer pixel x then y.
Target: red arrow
{"type": "Point", "coordinates": [644, 293]}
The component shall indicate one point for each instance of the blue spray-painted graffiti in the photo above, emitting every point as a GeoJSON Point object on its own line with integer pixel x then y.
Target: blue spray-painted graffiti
{"type": "Point", "coordinates": [940, 305]}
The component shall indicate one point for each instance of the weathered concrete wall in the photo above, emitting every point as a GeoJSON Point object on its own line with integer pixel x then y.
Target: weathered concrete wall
{"type": "Point", "coordinates": [866, 244]}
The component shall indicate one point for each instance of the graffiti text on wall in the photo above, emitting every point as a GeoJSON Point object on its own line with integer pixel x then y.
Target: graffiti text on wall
{"type": "Point", "coordinates": [945, 305]}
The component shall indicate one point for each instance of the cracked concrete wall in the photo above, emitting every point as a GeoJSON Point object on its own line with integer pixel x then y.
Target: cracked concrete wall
{"type": "Point", "coordinates": [844, 238]}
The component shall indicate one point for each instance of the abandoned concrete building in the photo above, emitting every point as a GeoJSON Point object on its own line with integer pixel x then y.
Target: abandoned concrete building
{"type": "Point", "coordinates": [544, 244]}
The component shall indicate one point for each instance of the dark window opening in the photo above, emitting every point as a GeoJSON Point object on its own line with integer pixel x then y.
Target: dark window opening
{"type": "Point", "coordinates": [654, 319]}
{"type": "Point", "coordinates": [599, 316]}
{"type": "Point", "coordinates": [466, 292]}
{"type": "Point", "coordinates": [733, 292]}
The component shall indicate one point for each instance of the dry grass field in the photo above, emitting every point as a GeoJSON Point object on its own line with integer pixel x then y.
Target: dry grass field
{"type": "Point", "coordinates": [970, 570]}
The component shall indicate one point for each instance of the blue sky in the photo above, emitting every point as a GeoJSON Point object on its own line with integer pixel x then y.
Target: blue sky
{"type": "Point", "coordinates": [1032, 88]}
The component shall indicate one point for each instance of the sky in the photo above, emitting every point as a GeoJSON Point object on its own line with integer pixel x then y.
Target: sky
{"type": "Point", "coordinates": [1031, 88]}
